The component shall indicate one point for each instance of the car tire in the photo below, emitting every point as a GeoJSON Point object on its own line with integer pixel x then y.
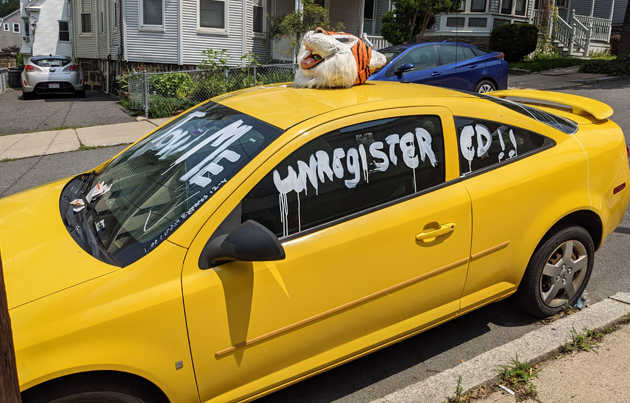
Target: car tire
{"type": "Point", "coordinates": [99, 397]}
{"type": "Point", "coordinates": [553, 281]}
{"type": "Point", "coordinates": [485, 86]}
{"type": "Point", "coordinates": [81, 94]}
{"type": "Point", "coordinates": [28, 95]}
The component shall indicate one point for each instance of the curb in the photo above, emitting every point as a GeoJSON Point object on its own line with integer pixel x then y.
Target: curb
{"type": "Point", "coordinates": [533, 347]}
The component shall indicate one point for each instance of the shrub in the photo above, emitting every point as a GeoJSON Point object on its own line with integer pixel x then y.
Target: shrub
{"type": "Point", "coordinates": [514, 40]}
{"type": "Point", "coordinates": [171, 85]}
{"type": "Point", "coordinates": [161, 107]}
{"type": "Point", "coordinates": [610, 67]}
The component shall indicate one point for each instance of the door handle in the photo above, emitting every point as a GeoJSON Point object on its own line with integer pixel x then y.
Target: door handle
{"type": "Point", "coordinates": [435, 74]}
{"type": "Point", "coordinates": [472, 66]}
{"type": "Point", "coordinates": [434, 233]}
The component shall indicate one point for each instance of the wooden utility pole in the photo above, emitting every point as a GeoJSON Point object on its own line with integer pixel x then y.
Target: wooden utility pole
{"type": "Point", "coordinates": [9, 386]}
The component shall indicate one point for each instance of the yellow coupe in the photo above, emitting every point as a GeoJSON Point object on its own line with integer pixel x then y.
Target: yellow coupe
{"type": "Point", "coordinates": [274, 233]}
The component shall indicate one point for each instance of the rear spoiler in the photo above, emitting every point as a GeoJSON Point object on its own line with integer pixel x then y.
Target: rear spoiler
{"type": "Point", "coordinates": [580, 105]}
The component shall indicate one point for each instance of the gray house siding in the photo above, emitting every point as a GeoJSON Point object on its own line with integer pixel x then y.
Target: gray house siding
{"type": "Point", "coordinates": [143, 44]}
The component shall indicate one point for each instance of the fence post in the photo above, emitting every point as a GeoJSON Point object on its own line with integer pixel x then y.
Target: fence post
{"type": "Point", "coordinates": [255, 76]}
{"type": "Point", "coordinates": [145, 93]}
{"type": "Point", "coordinates": [9, 385]}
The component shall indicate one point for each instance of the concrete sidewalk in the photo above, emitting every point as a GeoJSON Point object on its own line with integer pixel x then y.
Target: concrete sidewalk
{"type": "Point", "coordinates": [59, 141]}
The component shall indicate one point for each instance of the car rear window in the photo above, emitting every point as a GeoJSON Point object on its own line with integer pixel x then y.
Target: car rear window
{"type": "Point", "coordinates": [557, 122]}
{"type": "Point", "coordinates": [50, 62]}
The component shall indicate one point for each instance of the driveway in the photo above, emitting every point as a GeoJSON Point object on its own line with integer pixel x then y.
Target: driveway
{"type": "Point", "coordinates": [47, 112]}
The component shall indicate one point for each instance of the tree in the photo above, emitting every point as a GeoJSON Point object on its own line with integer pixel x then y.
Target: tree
{"type": "Point", "coordinates": [624, 43]}
{"type": "Point", "coordinates": [8, 6]}
{"type": "Point", "coordinates": [411, 18]}
{"type": "Point", "coordinates": [295, 25]}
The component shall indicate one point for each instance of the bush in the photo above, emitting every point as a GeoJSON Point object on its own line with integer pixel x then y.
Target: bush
{"type": "Point", "coordinates": [171, 85]}
{"type": "Point", "coordinates": [609, 67]}
{"type": "Point", "coordinates": [514, 40]}
{"type": "Point", "coordinates": [160, 107]}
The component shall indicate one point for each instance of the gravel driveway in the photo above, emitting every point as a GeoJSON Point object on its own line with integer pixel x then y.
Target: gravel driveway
{"type": "Point", "coordinates": [47, 112]}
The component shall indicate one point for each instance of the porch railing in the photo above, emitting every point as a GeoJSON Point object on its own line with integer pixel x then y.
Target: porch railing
{"type": "Point", "coordinates": [581, 34]}
{"type": "Point", "coordinates": [563, 32]}
{"type": "Point", "coordinates": [600, 27]}
{"type": "Point", "coordinates": [378, 42]}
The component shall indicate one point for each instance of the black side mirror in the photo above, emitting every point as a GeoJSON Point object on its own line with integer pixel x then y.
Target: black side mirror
{"type": "Point", "coordinates": [399, 71]}
{"type": "Point", "coordinates": [249, 242]}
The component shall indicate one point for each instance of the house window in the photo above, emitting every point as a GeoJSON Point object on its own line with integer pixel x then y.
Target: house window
{"type": "Point", "coordinates": [6, 26]}
{"type": "Point", "coordinates": [499, 22]}
{"type": "Point", "coordinates": [64, 31]}
{"type": "Point", "coordinates": [116, 11]}
{"type": "Point", "coordinates": [369, 9]}
{"type": "Point", "coordinates": [16, 27]}
{"type": "Point", "coordinates": [86, 17]}
{"type": "Point", "coordinates": [259, 16]}
{"type": "Point", "coordinates": [478, 6]}
{"type": "Point", "coordinates": [562, 3]}
{"type": "Point", "coordinates": [477, 22]}
{"type": "Point", "coordinates": [455, 21]}
{"type": "Point", "coordinates": [151, 12]}
{"type": "Point", "coordinates": [520, 7]}
{"type": "Point", "coordinates": [212, 14]}
{"type": "Point", "coordinates": [506, 7]}
{"type": "Point", "coordinates": [27, 33]}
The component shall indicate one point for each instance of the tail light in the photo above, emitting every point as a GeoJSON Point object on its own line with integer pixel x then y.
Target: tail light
{"type": "Point", "coordinates": [28, 67]}
{"type": "Point", "coordinates": [74, 67]}
{"type": "Point", "coordinates": [628, 151]}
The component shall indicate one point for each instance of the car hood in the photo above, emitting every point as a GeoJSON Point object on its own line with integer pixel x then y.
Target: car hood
{"type": "Point", "coordinates": [39, 257]}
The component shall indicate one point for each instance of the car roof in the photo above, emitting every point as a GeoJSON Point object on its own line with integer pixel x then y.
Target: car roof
{"type": "Point", "coordinates": [405, 46]}
{"type": "Point", "coordinates": [283, 106]}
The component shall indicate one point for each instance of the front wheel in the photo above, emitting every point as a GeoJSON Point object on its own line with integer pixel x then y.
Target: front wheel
{"type": "Point", "coordinates": [557, 273]}
{"type": "Point", "coordinates": [485, 86]}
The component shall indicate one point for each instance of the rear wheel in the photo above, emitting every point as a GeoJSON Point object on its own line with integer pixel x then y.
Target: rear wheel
{"type": "Point", "coordinates": [80, 94]}
{"type": "Point", "coordinates": [485, 86]}
{"type": "Point", "coordinates": [558, 272]}
{"type": "Point", "coordinates": [99, 397]}
{"type": "Point", "coordinates": [28, 95]}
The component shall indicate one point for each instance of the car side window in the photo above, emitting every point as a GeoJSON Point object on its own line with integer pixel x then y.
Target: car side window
{"type": "Point", "coordinates": [348, 172]}
{"type": "Point", "coordinates": [423, 57]}
{"type": "Point", "coordinates": [485, 144]}
{"type": "Point", "coordinates": [451, 53]}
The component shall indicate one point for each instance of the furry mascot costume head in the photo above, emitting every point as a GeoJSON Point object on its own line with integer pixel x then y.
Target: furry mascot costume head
{"type": "Point", "coordinates": [334, 60]}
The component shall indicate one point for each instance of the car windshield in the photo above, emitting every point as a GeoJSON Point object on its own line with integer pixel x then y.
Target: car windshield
{"type": "Point", "coordinates": [155, 185]}
{"type": "Point", "coordinates": [50, 61]}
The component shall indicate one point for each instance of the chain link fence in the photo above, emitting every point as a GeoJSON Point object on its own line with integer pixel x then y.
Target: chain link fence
{"type": "Point", "coordinates": [165, 93]}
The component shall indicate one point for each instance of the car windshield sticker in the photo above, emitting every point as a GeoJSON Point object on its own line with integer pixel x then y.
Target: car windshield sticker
{"type": "Point", "coordinates": [475, 141]}
{"type": "Point", "coordinates": [352, 165]}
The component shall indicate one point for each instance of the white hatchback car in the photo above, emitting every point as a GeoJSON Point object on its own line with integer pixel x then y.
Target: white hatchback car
{"type": "Point", "coordinates": [46, 74]}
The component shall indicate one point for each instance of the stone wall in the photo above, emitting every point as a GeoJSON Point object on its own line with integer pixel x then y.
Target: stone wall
{"type": "Point", "coordinates": [7, 59]}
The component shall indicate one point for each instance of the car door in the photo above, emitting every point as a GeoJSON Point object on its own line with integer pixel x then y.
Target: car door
{"type": "Point", "coordinates": [460, 68]}
{"type": "Point", "coordinates": [376, 238]}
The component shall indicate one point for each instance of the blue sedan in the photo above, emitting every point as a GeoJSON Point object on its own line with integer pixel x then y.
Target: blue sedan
{"type": "Point", "coordinates": [445, 64]}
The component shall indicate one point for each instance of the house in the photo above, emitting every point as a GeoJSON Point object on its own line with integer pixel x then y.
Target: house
{"type": "Point", "coordinates": [11, 30]}
{"type": "Point", "coordinates": [47, 27]}
{"type": "Point", "coordinates": [113, 35]}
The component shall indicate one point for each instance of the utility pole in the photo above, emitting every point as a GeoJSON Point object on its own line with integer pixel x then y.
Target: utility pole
{"type": "Point", "coordinates": [9, 386]}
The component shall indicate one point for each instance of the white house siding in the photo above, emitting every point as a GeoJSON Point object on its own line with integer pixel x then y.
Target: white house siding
{"type": "Point", "coordinates": [46, 15]}
{"type": "Point", "coordinates": [85, 45]}
{"type": "Point", "coordinates": [144, 46]}
{"type": "Point", "coordinates": [349, 13]}
{"type": "Point", "coordinates": [238, 40]}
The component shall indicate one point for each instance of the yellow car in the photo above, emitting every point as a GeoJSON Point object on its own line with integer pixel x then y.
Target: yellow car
{"type": "Point", "coordinates": [274, 233]}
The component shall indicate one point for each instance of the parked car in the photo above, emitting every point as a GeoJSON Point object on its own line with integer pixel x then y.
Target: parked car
{"type": "Point", "coordinates": [273, 233]}
{"type": "Point", "coordinates": [51, 74]}
{"type": "Point", "coordinates": [445, 64]}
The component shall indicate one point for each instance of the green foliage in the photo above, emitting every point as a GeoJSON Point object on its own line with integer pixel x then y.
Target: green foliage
{"type": "Point", "coordinates": [514, 40]}
{"type": "Point", "coordinates": [161, 107]}
{"type": "Point", "coordinates": [171, 85]}
{"type": "Point", "coordinates": [613, 67]}
{"type": "Point", "coordinates": [215, 59]}
{"type": "Point", "coordinates": [8, 6]}
{"type": "Point", "coordinates": [586, 341]}
{"type": "Point", "coordinates": [19, 59]}
{"type": "Point", "coordinates": [518, 376]}
{"type": "Point", "coordinates": [409, 19]}
{"type": "Point", "coordinates": [294, 25]}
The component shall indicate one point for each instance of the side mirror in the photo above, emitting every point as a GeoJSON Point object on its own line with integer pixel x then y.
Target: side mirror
{"type": "Point", "coordinates": [399, 71]}
{"type": "Point", "coordinates": [249, 242]}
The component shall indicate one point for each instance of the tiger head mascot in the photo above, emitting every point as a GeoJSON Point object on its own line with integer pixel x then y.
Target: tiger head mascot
{"type": "Point", "coordinates": [334, 60]}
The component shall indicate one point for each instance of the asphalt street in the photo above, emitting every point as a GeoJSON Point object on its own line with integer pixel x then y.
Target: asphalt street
{"type": "Point", "coordinates": [48, 111]}
{"type": "Point", "coordinates": [419, 357]}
